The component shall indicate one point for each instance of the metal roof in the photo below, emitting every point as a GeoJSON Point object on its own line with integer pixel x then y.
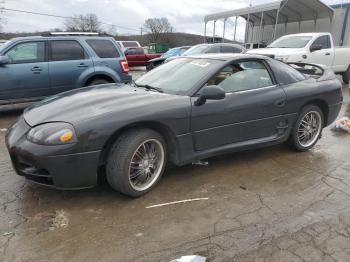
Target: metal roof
{"type": "Point", "coordinates": [289, 11]}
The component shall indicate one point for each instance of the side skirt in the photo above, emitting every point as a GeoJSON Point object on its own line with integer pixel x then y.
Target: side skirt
{"type": "Point", "coordinates": [187, 155]}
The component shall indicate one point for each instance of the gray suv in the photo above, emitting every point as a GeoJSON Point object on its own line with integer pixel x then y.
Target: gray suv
{"type": "Point", "coordinates": [32, 68]}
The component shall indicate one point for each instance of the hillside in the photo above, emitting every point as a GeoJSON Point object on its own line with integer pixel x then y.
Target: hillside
{"type": "Point", "coordinates": [173, 39]}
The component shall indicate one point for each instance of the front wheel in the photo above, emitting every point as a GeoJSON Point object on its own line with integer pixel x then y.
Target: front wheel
{"type": "Point", "coordinates": [136, 162]}
{"type": "Point", "coordinates": [346, 76]}
{"type": "Point", "coordinates": [307, 129]}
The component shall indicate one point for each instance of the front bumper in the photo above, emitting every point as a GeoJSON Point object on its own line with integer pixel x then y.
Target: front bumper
{"type": "Point", "coordinates": [52, 166]}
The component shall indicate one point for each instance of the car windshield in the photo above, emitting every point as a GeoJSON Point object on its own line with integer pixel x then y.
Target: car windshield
{"type": "Point", "coordinates": [195, 50]}
{"type": "Point", "coordinates": [178, 76]}
{"type": "Point", "coordinates": [130, 44]}
{"type": "Point", "coordinates": [170, 53]}
{"type": "Point", "coordinates": [291, 42]}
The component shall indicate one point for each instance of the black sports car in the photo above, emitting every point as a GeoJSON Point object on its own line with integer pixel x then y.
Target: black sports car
{"type": "Point", "coordinates": [186, 110]}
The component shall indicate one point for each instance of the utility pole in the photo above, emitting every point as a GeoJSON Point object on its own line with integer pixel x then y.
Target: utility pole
{"type": "Point", "coordinates": [141, 31]}
{"type": "Point", "coordinates": [2, 2]}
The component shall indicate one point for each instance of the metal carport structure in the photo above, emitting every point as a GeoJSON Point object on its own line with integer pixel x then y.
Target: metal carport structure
{"type": "Point", "coordinates": [274, 13]}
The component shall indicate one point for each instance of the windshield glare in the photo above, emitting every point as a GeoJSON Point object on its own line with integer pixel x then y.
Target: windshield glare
{"type": "Point", "coordinates": [291, 42]}
{"type": "Point", "coordinates": [178, 76]}
{"type": "Point", "coordinates": [195, 50]}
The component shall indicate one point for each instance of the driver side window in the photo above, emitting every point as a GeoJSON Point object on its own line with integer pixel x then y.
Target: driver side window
{"type": "Point", "coordinates": [30, 52]}
{"type": "Point", "coordinates": [322, 41]}
{"type": "Point", "coordinates": [242, 76]}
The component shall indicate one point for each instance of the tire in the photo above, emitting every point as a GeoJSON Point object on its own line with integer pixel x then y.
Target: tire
{"type": "Point", "coordinates": [346, 76]}
{"type": "Point", "coordinates": [98, 81]}
{"type": "Point", "coordinates": [301, 131]}
{"type": "Point", "coordinates": [149, 66]}
{"type": "Point", "coordinates": [125, 169]}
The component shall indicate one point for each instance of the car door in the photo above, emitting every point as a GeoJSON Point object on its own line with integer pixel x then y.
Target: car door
{"type": "Point", "coordinates": [26, 74]}
{"type": "Point", "coordinates": [251, 111]}
{"type": "Point", "coordinates": [68, 61]}
{"type": "Point", "coordinates": [325, 55]}
{"type": "Point", "coordinates": [131, 56]}
{"type": "Point", "coordinates": [140, 56]}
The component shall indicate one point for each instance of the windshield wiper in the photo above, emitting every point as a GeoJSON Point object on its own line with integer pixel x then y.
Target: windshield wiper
{"type": "Point", "coordinates": [149, 87]}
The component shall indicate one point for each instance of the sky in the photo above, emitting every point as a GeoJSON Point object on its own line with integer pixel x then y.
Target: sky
{"type": "Point", "coordinates": [184, 15]}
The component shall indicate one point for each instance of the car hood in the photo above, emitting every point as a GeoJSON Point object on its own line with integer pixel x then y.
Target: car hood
{"type": "Point", "coordinates": [157, 59]}
{"type": "Point", "coordinates": [90, 102]}
{"type": "Point", "coordinates": [274, 51]}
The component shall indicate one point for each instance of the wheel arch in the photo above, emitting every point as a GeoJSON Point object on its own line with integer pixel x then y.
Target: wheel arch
{"type": "Point", "coordinates": [163, 130]}
{"type": "Point", "coordinates": [322, 104]}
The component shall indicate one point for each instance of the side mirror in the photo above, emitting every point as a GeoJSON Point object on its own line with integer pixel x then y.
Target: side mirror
{"type": "Point", "coordinates": [314, 48]}
{"type": "Point", "coordinates": [4, 60]}
{"type": "Point", "coordinates": [212, 92]}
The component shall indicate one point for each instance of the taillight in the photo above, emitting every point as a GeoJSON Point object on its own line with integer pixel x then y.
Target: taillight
{"type": "Point", "coordinates": [125, 66]}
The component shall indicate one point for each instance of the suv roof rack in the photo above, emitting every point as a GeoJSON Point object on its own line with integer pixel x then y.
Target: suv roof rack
{"type": "Point", "coordinates": [71, 34]}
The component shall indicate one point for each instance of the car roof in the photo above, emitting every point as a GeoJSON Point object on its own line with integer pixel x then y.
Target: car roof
{"type": "Point", "coordinates": [226, 56]}
{"type": "Point", "coordinates": [309, 34]}
{"type": "Point", "coordinates": [69, 37]}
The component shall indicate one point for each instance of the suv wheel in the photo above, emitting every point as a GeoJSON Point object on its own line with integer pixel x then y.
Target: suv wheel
{"type": "Point", "coordinates": [307, 129]}
{"type": "Point", "coordinates": [136, 162]}
{"type": "Point", "coordinates": [98, 81]}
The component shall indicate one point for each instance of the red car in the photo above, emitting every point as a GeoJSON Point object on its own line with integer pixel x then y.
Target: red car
{"type": "Point", "coordinates": [136, 56]}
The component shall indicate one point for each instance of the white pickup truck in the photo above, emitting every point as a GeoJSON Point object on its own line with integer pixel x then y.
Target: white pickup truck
{"type": "Point", "coordinates": [315, 48]}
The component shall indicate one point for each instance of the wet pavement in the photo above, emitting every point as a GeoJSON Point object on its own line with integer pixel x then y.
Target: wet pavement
{"type": "Point", "coordinates": [270, 204]}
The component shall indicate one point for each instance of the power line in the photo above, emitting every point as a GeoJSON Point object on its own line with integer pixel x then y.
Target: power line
{"type": "Point", "coordinates": [63, 17]}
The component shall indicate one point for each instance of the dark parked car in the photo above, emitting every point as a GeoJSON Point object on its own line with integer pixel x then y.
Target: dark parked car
{"type": "Point", "coordinates": [32, 68]}
{"type": "Point", "coordinates": [174, 52]}
{"type": "Point", "coordinates": [188, 109]}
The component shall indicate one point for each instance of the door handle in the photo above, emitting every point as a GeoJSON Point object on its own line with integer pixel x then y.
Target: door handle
{"type": "Point", "coordinates": [280, 103]}
{"type": "Point", "coordinates": [328, 54]}
{"type": "Point", "coordinates": [83, 65]}
{"type": "Point", "coordinates": [36, 70]}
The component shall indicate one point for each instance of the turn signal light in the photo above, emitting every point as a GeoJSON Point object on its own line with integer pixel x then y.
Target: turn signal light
{"type": "Point", "coordinates": [66, 137]}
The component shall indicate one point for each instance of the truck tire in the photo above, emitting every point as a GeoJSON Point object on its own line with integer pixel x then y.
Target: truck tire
{"type": "Point", "coordinates": [136, 162]}
{"type": "Point", "coordinates": [346, 76]}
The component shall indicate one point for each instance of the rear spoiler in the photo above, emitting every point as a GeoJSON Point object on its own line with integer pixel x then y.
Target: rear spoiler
{"type": "Point", "coordinates": [320, 72]}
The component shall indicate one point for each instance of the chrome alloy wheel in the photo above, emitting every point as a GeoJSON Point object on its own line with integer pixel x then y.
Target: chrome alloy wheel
{"type": "Point", "coordinates": [146, 164]}
{"type": "Point", "coordinates": [310, 128]}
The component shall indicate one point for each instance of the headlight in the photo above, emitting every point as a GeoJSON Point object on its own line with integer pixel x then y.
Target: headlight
{"type": "Point", "coordinates": [57, 133]}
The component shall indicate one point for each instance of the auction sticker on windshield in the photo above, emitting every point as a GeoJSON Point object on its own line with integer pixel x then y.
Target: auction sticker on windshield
{"type": "Point", "coordinates": [201, 63]}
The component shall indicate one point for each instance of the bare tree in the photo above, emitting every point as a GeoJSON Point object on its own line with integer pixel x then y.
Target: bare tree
{"type": "Point", "coordinates": [83, 23]}
{"type": "Point", "coordinates": [158, 29]}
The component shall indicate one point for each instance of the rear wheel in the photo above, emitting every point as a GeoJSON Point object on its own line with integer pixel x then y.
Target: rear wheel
{"type": "Point", "coordinates": [136, 162]}
{"type": "Point", "coordinates": [307, 129]}
{"type": "Point", "coordinates": [98, 81]}
{"type": "Point", "coordinates": [346, 76]}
